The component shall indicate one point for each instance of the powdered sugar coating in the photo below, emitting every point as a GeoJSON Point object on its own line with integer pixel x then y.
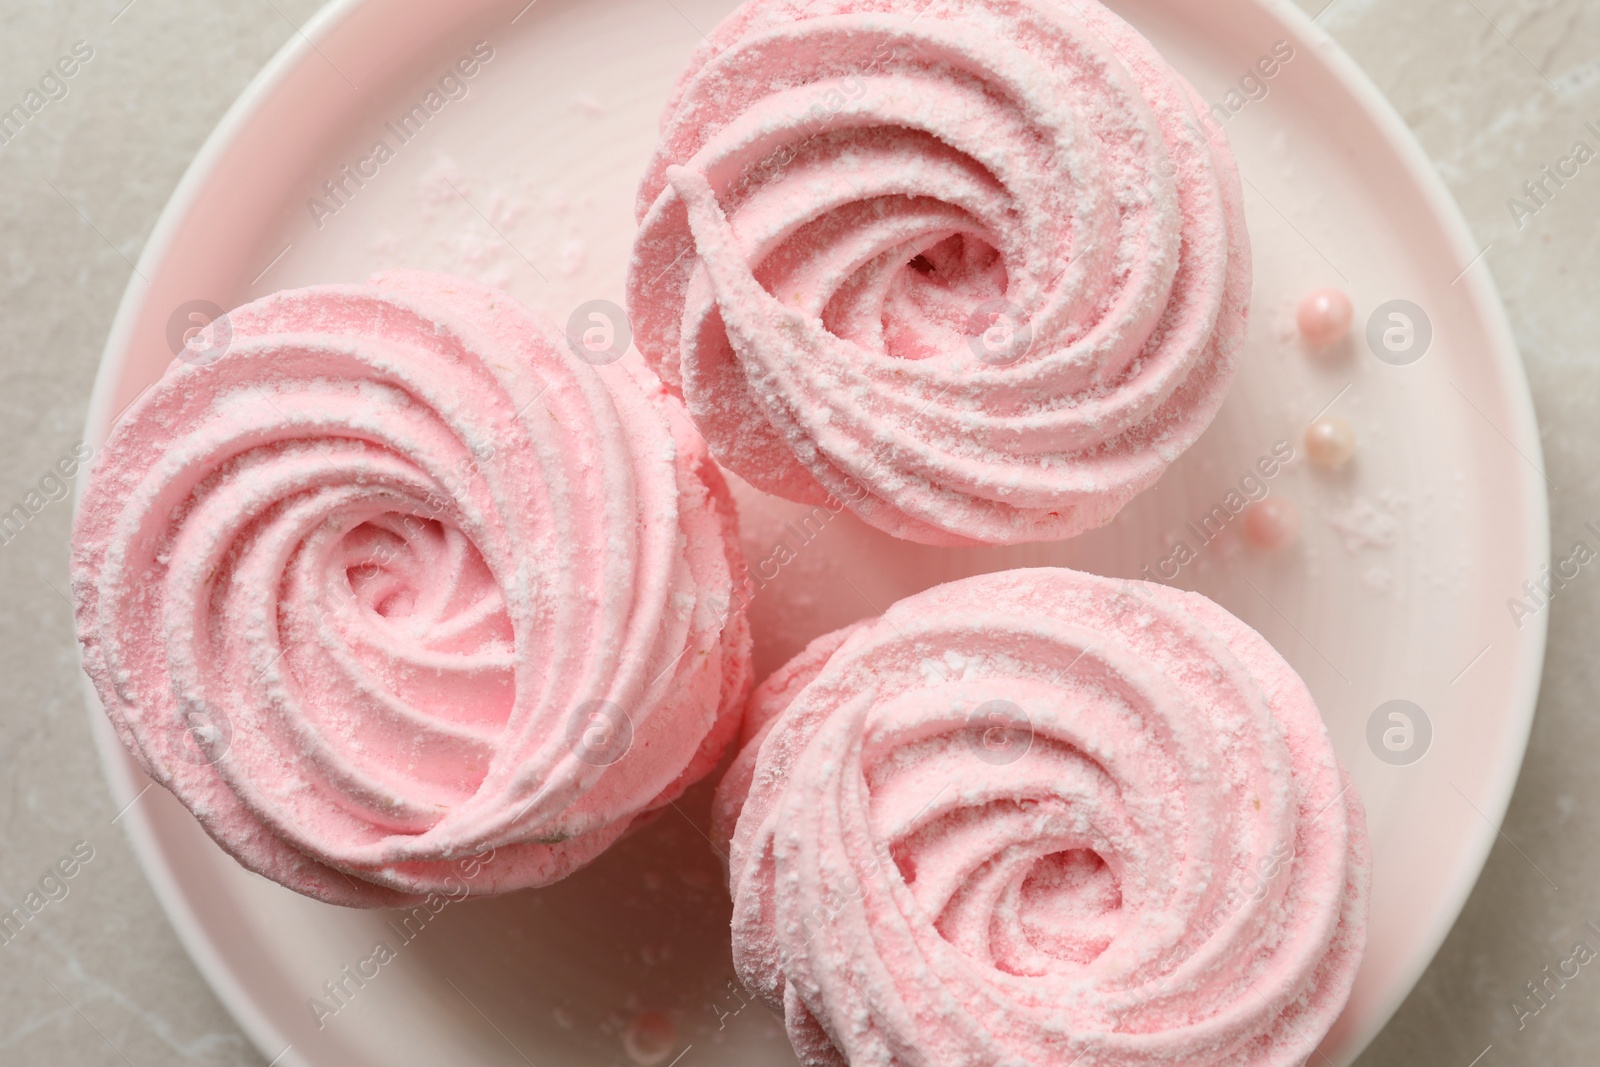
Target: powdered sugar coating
{"type": "Point", "coordinates": [1173, 870]}
{"type": "Point", "coordinates": [846, 195]}
{"type": "Point", "coordinates": [380, 560]}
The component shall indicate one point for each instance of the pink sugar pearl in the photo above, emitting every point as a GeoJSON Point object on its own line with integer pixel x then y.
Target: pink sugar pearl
{"type": "Point", "coordinates": [1272, 524]}
{"type": "Point", "coordinates": [1330, 442]}
{"type": "Point", "coordinates": [650, 1038]}
{"type": "Point", "coordinates": [1324, 316]}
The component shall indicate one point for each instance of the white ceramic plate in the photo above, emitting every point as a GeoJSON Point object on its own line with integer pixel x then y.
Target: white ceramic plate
{"type": "Point", "coordinates": [1397, 589]}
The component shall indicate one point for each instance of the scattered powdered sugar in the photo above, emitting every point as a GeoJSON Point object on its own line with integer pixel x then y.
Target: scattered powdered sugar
{"type": "Point", "coordinates": [1368, 522]}
{"type": "Point", "coordinates": [488, 230]}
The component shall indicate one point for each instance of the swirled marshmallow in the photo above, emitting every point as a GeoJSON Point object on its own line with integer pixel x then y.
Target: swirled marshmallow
{"type": "Point", "coordinates": [1045, 817]}
{"type": "Point", "coordinates": [399, 583]}
{"type": "Point", "coordinates": [977, 270]}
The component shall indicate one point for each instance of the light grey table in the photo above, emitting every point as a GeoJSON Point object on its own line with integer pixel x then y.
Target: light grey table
{"type": "Point", "coordinates": [1495, 89]}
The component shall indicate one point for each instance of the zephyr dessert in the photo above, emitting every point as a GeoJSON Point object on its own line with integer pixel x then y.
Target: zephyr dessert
{"type": "Point", "coordinates": [399, 584]}
{"type": "Point", "coordinates": [977, 270]}
{"type": "Point", "coordinates": [1045, 817]}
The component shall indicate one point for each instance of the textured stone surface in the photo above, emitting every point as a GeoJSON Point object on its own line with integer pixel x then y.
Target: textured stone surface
{"type": "Point", "coordinates": [1495, 89]}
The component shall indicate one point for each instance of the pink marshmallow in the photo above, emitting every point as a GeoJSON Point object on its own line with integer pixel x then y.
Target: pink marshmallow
{"type": "Point", "coordinates": [977, 270]}
{"type": "Point", "coordinates": [1045, 817]}
{"type": "Point", "coordinates": [400, 597]}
